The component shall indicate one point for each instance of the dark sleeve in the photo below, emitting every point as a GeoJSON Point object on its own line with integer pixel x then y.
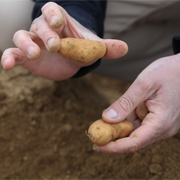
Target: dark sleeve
{"type": "Point", "coordinates": [89, 13]}
{"type": "Point", "coordinates": [176, 44]}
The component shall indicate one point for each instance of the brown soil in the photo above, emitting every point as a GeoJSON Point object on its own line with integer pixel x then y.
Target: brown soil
{"type": "Point", "coordinates": [42, 132]}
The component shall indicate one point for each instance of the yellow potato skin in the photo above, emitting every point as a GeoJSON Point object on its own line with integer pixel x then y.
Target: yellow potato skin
{"type": "Point", "coordinates": [101, 132]}
{"type": "Point", "coordinates": [141, 111]}
{"type": "Point", "coordinates": [82, 50]}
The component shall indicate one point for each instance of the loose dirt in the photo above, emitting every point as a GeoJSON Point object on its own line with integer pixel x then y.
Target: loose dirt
{"type": "Point", "coordinates": [42, 132]}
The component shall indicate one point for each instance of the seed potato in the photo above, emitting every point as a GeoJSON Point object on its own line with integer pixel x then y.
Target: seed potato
{"type": "Point", "coordinates": [101, 132]}
{"type": "Point", "coordinates": [82, 50]}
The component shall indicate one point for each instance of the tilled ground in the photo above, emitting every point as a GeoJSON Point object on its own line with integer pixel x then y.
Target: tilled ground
{"type": "Point", "coordinates": [42, 132]}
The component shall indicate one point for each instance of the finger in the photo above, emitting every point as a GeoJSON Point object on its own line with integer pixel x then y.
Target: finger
{"type": "Point", "coordinates": [137, 93]}
{"type": "Point", "coordinates": [115, 48]}
{"type": "Point", "coordinates": [129, 145]}
{"type": "Point", "coordinates": [132, 117]}
{"type": "Point", "coordinates": [23, 40]}
{"type": "Point", "coordinates": [50, 38]}
{"type": "Point", "coordinates": [53, 14]}
{"type": "Point", "coordinates": [140, 138]}
{"type": "Point", "coordinates": [12, 57]}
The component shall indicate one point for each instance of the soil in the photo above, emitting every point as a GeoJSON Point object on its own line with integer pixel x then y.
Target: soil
{"type": "Point", "coordinates": [42, 131]}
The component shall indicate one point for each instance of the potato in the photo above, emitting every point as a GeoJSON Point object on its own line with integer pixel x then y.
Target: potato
{"type": "Point", "coordinates": [101, 132]}
{"type": "Point", "coordinates": [141, 111]}
{"type": "Point", "coordinates": [82, 50]}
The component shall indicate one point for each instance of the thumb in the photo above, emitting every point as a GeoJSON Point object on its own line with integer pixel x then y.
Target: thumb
{"type": "Point", "coordinates": [137, 93]}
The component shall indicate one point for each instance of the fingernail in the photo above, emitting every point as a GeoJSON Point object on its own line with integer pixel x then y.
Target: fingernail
{"type": "Point", "coordinates": [50, 42]}
{"type": "Point", "coordinates": [111, 113]}
{"type": "Point", "coordinates": [56, 21]}
{"type": "Point", "coordinates": [53, 19]}
{"type": "Point", "coordinates": [30, 50]}
{"type": "Point", "coordinates": [96, 148]}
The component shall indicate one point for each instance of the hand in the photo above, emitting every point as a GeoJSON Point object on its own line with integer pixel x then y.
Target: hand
{"type": "Point", "coordinates": [159, 87]}
{"type": "Point", "coordinates": [37, 49]}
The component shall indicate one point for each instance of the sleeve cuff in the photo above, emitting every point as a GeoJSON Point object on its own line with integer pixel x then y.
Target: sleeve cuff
{"type": "Point", "coordinates": [176, 44]}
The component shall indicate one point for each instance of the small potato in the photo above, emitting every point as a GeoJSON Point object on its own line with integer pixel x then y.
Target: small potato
{"type": "Point", "coordinates": [82, 50]}
{"type": "Point", "coordinates": [141, 111]}
{"type": "Point", "coordinates": [101, 132]}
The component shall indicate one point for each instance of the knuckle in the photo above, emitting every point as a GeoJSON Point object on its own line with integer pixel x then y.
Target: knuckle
{"type": "Point", "coordinates": [36, 26]}
{"type": "Point", "coordinates": [35, 21]}
{"type": "Point", "coordinates": [33, 24]}
{"type": "Point", "coordinates": [126, 103]}
{"type": "Point", "coordinates": [17, 35]}
{"type": "Point", "coordinates": [135, 147]}
{"type": "Point", "coordinates": [144, 85]}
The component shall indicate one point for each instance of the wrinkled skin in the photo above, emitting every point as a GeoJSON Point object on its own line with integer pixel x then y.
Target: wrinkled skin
{"type": "Point", "coordinates": [159, 87]}
{"type": "Point", "coordinates": [37, 49]}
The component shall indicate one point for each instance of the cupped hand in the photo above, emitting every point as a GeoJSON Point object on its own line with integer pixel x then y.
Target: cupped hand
{"type": "Point", "coordinates": [159, 87]}
{"type": "Point", "coordinates": [37, 48]}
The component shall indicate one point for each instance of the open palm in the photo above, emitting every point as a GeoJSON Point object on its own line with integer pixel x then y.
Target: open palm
{"type": "Point", "coordinates": [37, 49]}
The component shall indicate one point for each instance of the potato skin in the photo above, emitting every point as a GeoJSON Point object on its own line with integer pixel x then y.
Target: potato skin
{"type": "Point", "coordinates": [82, 50]}
{"type": "Point", "coordinates": [101, 132]}
{"type": "Point", "coordinates": [141, 111]}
